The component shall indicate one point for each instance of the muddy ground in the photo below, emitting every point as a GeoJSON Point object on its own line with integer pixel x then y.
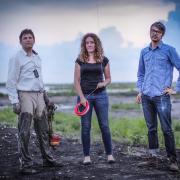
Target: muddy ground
{"type": "Point", "coordinates": [69, 152]}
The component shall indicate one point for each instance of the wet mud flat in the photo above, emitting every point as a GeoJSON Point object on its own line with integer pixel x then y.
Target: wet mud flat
{"type": "Point", "coordinates": [69, 152]}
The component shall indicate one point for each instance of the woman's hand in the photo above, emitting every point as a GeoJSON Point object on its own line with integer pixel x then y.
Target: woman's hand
{"type": "Point", "coordinates": [83, 101]}
{"type": "Point", "coordinates": [101, 85]}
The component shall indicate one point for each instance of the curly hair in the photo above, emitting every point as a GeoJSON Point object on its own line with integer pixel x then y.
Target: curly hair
{"type": "Point", "coordinates": [98, 53]}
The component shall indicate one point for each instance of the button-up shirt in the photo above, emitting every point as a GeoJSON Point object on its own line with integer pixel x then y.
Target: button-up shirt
{"type": "Point", "coordinates": [155, 72]}
{"type": "Point", "coordinates": [21, 75]}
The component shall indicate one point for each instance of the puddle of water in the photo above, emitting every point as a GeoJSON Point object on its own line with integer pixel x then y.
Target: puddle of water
{"type": "Point", "coordinates": [61, 107]}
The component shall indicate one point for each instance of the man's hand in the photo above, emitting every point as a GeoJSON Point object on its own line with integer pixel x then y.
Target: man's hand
{"type": "Point", "coordinates": [16, 108]}
{"type": "Point", "coordinates": [169, 91]}
{"type": "Point", "coordinates": [138, 98]}
{"type": "Point", "coordinates": [51, 105]}
{"type": "Point", "coordinates": [47, 101]}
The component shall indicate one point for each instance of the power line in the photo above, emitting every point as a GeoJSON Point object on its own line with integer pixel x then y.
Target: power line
{"type": "Point", "coordinates": [98, 15]}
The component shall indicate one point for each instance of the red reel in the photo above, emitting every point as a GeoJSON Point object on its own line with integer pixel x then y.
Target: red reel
{"type": "Point", "coordinates": [77, 109]}
{"type": "Point", "coordinates": [55, 140]}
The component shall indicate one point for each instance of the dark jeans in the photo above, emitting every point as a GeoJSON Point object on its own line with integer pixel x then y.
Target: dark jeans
{"type": "Point", "coordinates": [98, 101]}
{"type": "Point", "coordinates": [161, 106]}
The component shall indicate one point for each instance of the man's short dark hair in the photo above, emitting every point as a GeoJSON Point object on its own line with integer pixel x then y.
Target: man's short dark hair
{"type": "Point", "coordinates": [26, 31]}
{"type": "Point", "coordinates": [160, 26]}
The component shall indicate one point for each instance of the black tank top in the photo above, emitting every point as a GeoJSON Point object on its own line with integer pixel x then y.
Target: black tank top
{"type": "Point", "coordinates": [91, 75]}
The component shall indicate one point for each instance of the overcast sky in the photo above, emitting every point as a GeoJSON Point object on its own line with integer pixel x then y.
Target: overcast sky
{"type": "Point", "coordinates": [123, 26]}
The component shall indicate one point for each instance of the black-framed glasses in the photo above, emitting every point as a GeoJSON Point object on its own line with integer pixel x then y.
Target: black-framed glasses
{"type": "Point", "coordinates": [156, 31]}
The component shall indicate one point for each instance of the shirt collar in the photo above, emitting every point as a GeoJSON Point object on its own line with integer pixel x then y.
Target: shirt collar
{"type": "Point", "coordinates": [25, 53]}
{"type": "Point", "coordinates": [158, 46]}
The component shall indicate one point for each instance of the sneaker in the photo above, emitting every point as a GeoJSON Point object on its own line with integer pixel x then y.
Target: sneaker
{"type": "Point", "coordinates": [52, 164]}
{"type": "Point", "coordinates": [173, 166]}
{"type": "Point", "coordinates": [28, 171]}
{"type": "Point", "coordinates": [110, 159]}
{"type": "Point", "coordinates": [87, 160]}
{"type": "Point", "coordinates": [151, 162]}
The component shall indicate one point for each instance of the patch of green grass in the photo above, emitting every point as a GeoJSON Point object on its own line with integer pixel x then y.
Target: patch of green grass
{"type": "Point", "coordinates": [66, 124]}
{"type": "Point", "coordinates": [125, 106]}
{"type": "Point", "coordinates": [131, 131]}
{"type": "Point", "coordinates": [8, 117]}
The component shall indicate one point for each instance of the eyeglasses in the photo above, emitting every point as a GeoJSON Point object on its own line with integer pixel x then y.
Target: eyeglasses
{"type": "Point", "coordinates": [156, 31]}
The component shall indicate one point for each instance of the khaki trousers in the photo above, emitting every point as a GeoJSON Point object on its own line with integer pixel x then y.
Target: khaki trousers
{"type": "Point", "coordinates": [32, 108]}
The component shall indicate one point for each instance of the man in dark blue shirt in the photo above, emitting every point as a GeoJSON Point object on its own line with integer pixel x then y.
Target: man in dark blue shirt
{"type": "Point", "coordinates": [155, 75]}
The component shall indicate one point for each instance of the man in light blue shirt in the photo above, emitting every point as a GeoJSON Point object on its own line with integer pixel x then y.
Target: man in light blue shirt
{"type": "Point", "coordinates": [155, 74]}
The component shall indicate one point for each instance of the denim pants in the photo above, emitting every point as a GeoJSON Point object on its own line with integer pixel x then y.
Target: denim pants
{"type": "Point", "coordinates": [161, 106]}
{"type": "Point", "coordinates": [98, 101]}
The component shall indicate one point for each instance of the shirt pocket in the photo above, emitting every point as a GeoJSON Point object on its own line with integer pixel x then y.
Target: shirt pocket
{"type": "Point", "coordinates": [147, 62]}
{"type": "Point", "coordinates": [37, 65]}
{"type": "Point", "coordinates": [161, 62]}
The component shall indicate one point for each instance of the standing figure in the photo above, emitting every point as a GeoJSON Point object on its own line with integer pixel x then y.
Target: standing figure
{"type": "Point", "coordinates": [155, 75]}
{"type": "Point", "coordinates": [90, 69]}
{"type": "Point", "coordinates": [26, 93]}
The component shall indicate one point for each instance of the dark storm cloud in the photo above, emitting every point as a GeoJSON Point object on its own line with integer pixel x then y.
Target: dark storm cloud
{"type": "Point", "coordinates": [19, 4]}
{"type": "Point", "coordinates": [173, 25]}
{"type": "Point", "coordinates": [174, 15]}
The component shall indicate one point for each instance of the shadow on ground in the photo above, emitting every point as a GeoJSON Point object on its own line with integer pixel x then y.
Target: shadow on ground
{"type": "Point", "coordinates": [70, 153]}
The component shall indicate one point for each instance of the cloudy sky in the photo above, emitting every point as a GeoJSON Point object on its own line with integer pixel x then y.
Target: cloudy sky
{"type": "Point", "coordinates": [122, 25]}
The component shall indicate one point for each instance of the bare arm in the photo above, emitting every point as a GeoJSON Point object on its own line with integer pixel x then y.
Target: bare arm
{"type": "Point", "coordinates": [107, 75]}
{"type": "Point", "coordinates": [77, 84]}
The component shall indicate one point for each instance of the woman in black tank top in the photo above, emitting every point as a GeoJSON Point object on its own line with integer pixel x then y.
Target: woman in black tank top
{"type": "Point", "coordinates": [92, 74]}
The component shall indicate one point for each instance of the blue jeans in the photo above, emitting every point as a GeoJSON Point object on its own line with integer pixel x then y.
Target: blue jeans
{"type": "Point", "coordinates": [98, 101]}
{"type": "Point", "coordinates": [161, 106]}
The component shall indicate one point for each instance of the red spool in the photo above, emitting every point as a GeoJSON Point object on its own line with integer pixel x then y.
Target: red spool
{"type": "Point", "coordinates": [77, 109]}
{"type": "Point", "coordinates": [55, 140]}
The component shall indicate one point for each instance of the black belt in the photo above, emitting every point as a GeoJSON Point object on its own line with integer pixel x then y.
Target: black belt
{"type": "Point", "coordinates": [40, 91]}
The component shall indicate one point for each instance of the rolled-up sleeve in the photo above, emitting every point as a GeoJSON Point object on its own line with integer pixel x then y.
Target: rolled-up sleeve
{"type": "Point", "coordinates": [175, 60]}
{"type": "Point", "coordinates": [13, 76]}
{"type": "Point", "coordinates": [141, 73]}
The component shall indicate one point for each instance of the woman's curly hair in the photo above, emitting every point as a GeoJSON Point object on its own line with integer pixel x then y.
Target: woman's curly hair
{"type": "Point", "coordinates": [98, 53]}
